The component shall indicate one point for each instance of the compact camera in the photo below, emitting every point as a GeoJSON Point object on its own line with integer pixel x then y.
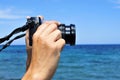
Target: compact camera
{"type": "Point", "coordinates": [68, 31]}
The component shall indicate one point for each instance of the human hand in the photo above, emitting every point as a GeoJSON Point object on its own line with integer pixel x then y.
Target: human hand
{"type": "Point", "coordinates": [47, 44]}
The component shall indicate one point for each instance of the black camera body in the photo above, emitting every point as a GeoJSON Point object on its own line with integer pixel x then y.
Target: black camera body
{"type": "Point", "coordinates": [68, 31]}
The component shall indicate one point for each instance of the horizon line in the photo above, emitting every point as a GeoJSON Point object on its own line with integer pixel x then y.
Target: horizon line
{"type": "Point", "coordinates": [68, 44]}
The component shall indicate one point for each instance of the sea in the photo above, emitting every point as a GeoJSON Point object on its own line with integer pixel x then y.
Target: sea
{"type": "Point", "coordinates": [80, 62]}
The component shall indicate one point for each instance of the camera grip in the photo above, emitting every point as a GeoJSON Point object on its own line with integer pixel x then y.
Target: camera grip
{"type": "Point", "coordinates": [31, 32]}
{"type": "Point", "coordinates": [36, 21]}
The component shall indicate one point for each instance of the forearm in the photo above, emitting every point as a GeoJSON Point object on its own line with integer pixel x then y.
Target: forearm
{"type": "Point", "coordinates": [34, 73]}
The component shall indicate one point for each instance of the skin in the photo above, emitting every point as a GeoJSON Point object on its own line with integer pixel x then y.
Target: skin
{"type": "Point", "coordinates": [29, 50]}
{"type": "Point", "coordinates": [43, 56]}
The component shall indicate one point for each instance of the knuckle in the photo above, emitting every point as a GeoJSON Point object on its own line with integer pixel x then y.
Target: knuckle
{"type": "Point", "coordinates": [43, 40]}
{"type": "Point", "coordinates": [41, 37]}
{"type": "Point", "coordinates": [64, 42]}
{"type": "Point", "coordinates": [54, 26]}
{"type": "Point", "coordinates": [58, 31]}
{"type": "Point", "coordinates": [35, 36]}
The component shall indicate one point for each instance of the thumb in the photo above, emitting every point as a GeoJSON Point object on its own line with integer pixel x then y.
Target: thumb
{"type": "Point", "coordinates": [60, 44]}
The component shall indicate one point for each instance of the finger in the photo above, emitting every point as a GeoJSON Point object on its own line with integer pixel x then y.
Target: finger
{"type": "Point", "coordinates": [55, 22]}
{"type": "Point", "coordinates": [27, 40]}
{"type": "Point", "coordinates": [54, 36]}
{"type": "Point", "coordinates": [52, 27]}
{"type": "Point", "coordinates": [27, 34]}
{"type": "Point", "coordinates": [60, 44]}
{"type": "Point", "coordinates": [41, 28]}
{"type": "Point", "coordinates": [27, 37]}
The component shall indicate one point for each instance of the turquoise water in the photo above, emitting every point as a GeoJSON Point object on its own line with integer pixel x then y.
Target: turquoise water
{"type": "Point", "coordinates": [81, 62]}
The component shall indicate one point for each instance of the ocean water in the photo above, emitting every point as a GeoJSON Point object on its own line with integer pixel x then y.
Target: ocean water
{"type": "Point", "coordinates": [81, 62]}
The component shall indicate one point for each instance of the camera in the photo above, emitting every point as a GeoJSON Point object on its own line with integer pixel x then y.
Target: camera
{"type": "Point", "coordinates": [68, 31]}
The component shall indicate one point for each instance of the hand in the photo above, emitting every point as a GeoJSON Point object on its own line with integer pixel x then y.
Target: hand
{"type": "Point", "coordinates": [47, 44]}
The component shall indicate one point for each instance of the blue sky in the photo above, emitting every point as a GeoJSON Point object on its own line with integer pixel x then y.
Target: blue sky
{"type": "Point", "coordinates": [97, 21]}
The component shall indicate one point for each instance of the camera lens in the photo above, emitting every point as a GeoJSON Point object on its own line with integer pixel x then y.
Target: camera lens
{"type": "Point", "coordinates": [68, 33]}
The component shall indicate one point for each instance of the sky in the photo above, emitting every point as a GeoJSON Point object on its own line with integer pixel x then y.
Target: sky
{"type": "Point", "coordinates": [97, 21]}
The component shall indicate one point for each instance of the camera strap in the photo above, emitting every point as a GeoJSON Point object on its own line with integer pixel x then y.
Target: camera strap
{"type": "Point", "coordinates": [9, 42]}
{"type": "Point", "coordinates": [15, 31]}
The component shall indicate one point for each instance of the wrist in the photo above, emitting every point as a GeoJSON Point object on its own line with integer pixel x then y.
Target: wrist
{"type": "Point", "coordinates": [34, 73]}
{"type": "Point", "coordinates": [39, 76]}
{"type": "Point", "coordinates": [34, 76]}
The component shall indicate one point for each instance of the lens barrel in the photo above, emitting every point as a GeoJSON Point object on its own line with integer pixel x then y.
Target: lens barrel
{"type": "Point", "coordinates": [68, 33]}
